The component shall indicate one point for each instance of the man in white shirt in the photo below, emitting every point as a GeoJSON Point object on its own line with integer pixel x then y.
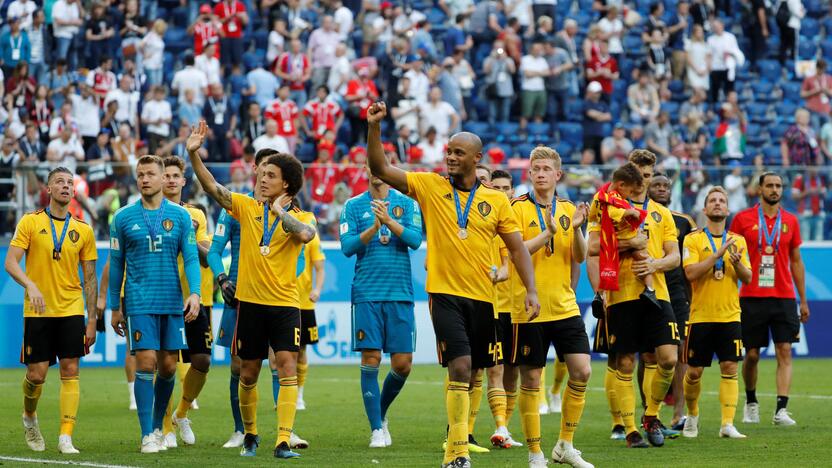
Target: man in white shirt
{"type": "Point", "coordinates": [533, 68]}
{"type": "Point", "coordinates": [343, 19]}
{"type": "Point", "coordinates": [321, 49]}
{"type": "Point", "coordinates": [22, 9]}
{"type": "Point", "coordinates": [85, 113]}
{"type": "Point", "coordinates": [65, 151]}
{"type": "Point", "coordinates": [191, 78]}
{"type": "Point", "coordinates": [157, 115]}
{"type": "Point", "coordinates": [66, 22]}
{"type": "Point", "coordinates": [128, 102]}
{"type": "Point", "coordinates": [419, 81]}
{"type": "Point", "coordinates": [439, 114]}
{"type": "Point", "coordinates": [271, 139]}
{"type": "Point", "coordinates": [406, 110]}
{"type": "Point", "coordinates": [725, 58]}
{"type": "Point", "coordinates": [208, 63]}
{"type": "Point", "coordinates": [341, 71]}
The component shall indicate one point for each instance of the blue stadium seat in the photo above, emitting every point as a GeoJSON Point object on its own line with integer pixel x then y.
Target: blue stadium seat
{"type": "Point", "coordinates": [506, 131]}
{"type": "Point", "coordinates": [806, 50]}
{"type": "Point", "coordinates": [826, 47]}
{"type": "Point", "coordinates": [571, 133]}
{"type": "Point", "coordinates": [791, 91]}
{"type": "Point", "coordinates": [778, 130]}
{"type": "Point", "coordinates": [575, 110]}
{"type": "Point", "coordinates": [565, 149]}
{"type": "Point", "coordinates": [671, 108]}
{"type": "Point", "coordinates": [771, 155]}
{"type": "Point", "coordinates": [633, 46]}
{"type": "Point", "coordinates": [306, 152]}
{"type": "Point", "coordinates": [476, 127]}
{"type": "Point", "coordinates": [523, 150]}
{"type": "Point", "coordinates": [538, 129]}
{"type": "Point", "coordinates": [786, 110]}
{"type": "Point", "coordinates": [815, 9]}
{"type": "Point", "coordinates": [770, 70]}
{"type": "Point", "coordinates": [810, 28]}
{"type": "Point", "coordinates": [827, 26]}
{"type": "Point", "coordinates": [436, 16]}
{"type": "Point", "coordinates": [763, 91]}
{"type": "Point", "coordinates": [758, 112]}
{"type": "Point", "coordinates": [755, 135]}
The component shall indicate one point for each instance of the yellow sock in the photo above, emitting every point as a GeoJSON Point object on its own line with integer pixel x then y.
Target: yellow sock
{"type": "Point", "coordinates": [560, 374]}
{"type": "Point", "coordinates": [574, 399]}
{"type": "Point", "coordinates": [191, 386]}
{"type": "Point", "coordinates": [692, 390]}
{"type": "Point", "coordinates": [497, 403]}
{"type": "Point", "coordinates": [167, 421]}
{"type": "Point", "coordinates": [302, 370]}
{"type": "Point", "coordinates": [475, 400]}
{"type": "Point", "coordinates": [511, 400]}
{"type": "Point", "coordinates": [71, 396]}
{"type": "Point", "coordinates": [248, 407]}
{"type": "Point", "coordinates": [182, 370]}
{"type": "Point", "coordinates": [729, 389]}
{"type": "Point", "coordinates": [446, 384]}
{"type": "Point", "coordinates": [31, 395]}
{"type": "Point", "coordinates": [541, 395]}
{"type": "Point", "coordinates": [457, 403]}
{"type": "Point", "coordinates": [658, 389]}
{"type": "Point", "coordinates": [530, 417]}
{"type": "Point", "coordinates": [626, 399]}
{"type": "Point", "coordinates": [287, 402]}
{"type": "Point", "coordinates": [612, 397]}
{"type": "Point", "coordinates": [647, 381]}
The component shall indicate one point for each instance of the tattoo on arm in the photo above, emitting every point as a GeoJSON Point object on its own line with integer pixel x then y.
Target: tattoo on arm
{"type": "Point", "coordinates": [91, 289]}
{"type": "Point", "coordinates": [223, 196]}
{"type": "Point", "coordinates": [293, 226]}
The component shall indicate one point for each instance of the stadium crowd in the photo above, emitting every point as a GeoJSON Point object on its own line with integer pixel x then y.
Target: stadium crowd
{"type": "Point", "coordinates": [718, 90]}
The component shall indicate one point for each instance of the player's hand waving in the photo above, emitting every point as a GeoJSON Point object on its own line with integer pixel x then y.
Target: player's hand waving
{"type": "Point", "coordinates": [228, 289]}
{"type": "Point", "coordinates": [197, 138]}
{"type": "Point", "coordinates": [377, 112]}
{"type": "Point", "coordinates": [532, 305]}
{"type": "Point", "coordinates": [36, 298]}
{"type": "Point", "coordinates": [191, 308]}
{"type": "Point", "coordinates": [580, 216]}
{"type": "Point", "coordinates": [118, 323]}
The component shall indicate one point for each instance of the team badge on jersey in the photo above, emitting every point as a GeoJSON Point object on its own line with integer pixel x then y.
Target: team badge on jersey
{"type": "Point", "coordinates": [484, 208]}
{"type": "Point", "coordinates": [657, 217]}
{"type": "Point", "coordinates": [565, 222]}
{"type": "Point", "coordinates": [74, 236]}
{"type": "Point", "coordinates": [167, 224]}
{"type": "Point", "coordinates": [398, 211]}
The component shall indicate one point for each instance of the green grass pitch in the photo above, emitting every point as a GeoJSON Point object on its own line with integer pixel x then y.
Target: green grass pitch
{"type": "Point", "coordinates": [335, 425]}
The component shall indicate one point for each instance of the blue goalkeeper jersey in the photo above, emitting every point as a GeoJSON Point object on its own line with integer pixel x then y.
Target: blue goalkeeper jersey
{"type": "Point", "coordinates": [227, 230]}
{"type": "Point", "coordinates": [145, 247]}
{"type": "Point", "coordinates": [382, 270]}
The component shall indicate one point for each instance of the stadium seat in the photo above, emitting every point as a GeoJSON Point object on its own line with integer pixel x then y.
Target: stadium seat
{"type": "Point", "coordinates": [778, 130]}
{"type": "Point", "coordinates": [539, 129]}
{"type": "Point", "coordinates": [633, 46]}
{"type": "Point", "coordinates": [506, 131]}
{"type": "Point", "coordinates": [770, 70]}
{"type": "Point", "coordinates": [758, 112]}
{"type": "Point", "coordinates": [575, 110]}
{"type": "Point", "coordinates": [523, 150]}
{"type": "Point", "coordinates": [771, 155]}
{"type": "Point", "coordinates": [815, 9]}
{"type": "Point", "coordinates": [806, 50]}
{"type": "Point", "coordinates": [810, 28]}
{"type": "Point", "coordinates": [571, 133]}
{"type": "Point", "coordinates": [565, 149]}
{"type": "Point", "coordinates": [786, 110]}
{"type": "Point", "coordinates": [791, 91]}
{"type": "Point", "coordinates": [755, 135]}
{"type": "Point", "coordinates": [476, 127]}
{"type": "Point", "coordinates": [763, 91]}
{"type": "Point", "coordinates": [826, 47]}
{"type": "Point", "coordinates": [436, 16]}
{"type": "Point", "coordinates": [671, 108]}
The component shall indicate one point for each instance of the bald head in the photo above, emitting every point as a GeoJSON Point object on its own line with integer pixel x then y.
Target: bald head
{"type": "Point", "coordinates": [464, 152]}
{"type": "Point", "coordinates": [468, 139]}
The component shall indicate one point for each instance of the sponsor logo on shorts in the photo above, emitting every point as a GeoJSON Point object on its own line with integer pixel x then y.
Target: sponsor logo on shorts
{"type": "Point", "coordinates": [612, 339]}
{"type": "Point", "coordinates": [565, 222]}
{"type": "Point", "coordinates": [398, 211]}
{"type": "Point", "coordinates": [526, 350]}
{"type": "Point", "coordinates": [167, 225]}
{"type": "Point", "coordinates": [360, 335]}
{"type": "Point", "coordinates": [28, 350]}
{"type": "Point", "coordinates": [137, 336]}
{"type": "Point", "coordinates": [690, 353]}
{"type": "Point", "coordinates": [484, 208]}
{"type": "Point", "coordinates": [74, 236]}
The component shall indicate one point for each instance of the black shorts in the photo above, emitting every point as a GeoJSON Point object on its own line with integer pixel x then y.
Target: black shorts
{"type": "Point", "coordinates": [636, 326]}
{"type": "Point", "coordinates": [52, 338]}
{"type": "Point", "coordinates": [505, 333]}
{"type": "Point", "coordinates": [533, 339]}
{"type": "Point", "coordinates": [601, 343]}
{"type": "Point", "coordinates": [308, 327]}
{"type": "Point", "coordinates": [705, 339]}
{"type": "Point", "coordinates": [465, 327]}
{"type": "Point", "coordinates": [681, 309]}
{"type": "Point", "coordinates": [262, 326]}
{"type": "Point", "coordinates": [199, 335]}
{"type": "Point", "coordinates": [761, 314]}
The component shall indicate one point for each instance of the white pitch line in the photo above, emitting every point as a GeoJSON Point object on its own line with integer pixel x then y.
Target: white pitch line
{"type": "Point", "coordinates": [62, 462]}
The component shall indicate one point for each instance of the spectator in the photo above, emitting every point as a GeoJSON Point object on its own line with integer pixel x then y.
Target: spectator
{"type": "Point", "coordinates": [585, 179]}
{"type": "Point", "coordinates": [361, 93]}
{"type": "Point", "coordinates": [433, 149]}
{"type": "Point", "coordinates": [252, 126]}
{"type": "Point", "coordinates": [655, 22]}
{"type": "Point", "coordinates": [343, 18]}
{"type": "Point", "coordinates": [596, 113]}
{"type": "Point", "coordinates": [133, 29]}
{"type": "Point", "coordinates": [695, 106]}
{"type": "Point", "coordinates": [734, 183]}
{"type": "Point", "coordinates": [153, 53]}
{"type": "Point", "coordinates": [533, 69]}
{"type": "Point", "coordinates": [190, 78]}
{"type": "Point", "coordinates": [355, 171]}
{"type": "Point", "coordinates": [85, 111]}
{"type": "Point", "coordinates": [457, 37]}
{"type": "Point", "coordinates": [657, 59]}
{"type": "Point", "coordinates": [755, 27]}
{"type": "Point", "coordinates": [63, 120]}
{"type": "Point", "coordinates": [138, 79]}
{"type": "Point", "coordinates": [726, 56]}
{"type": "Point", "coordinates": [694, 131]}
{"type": "Point", "coordinates": [37, 41]}
{"type": "Point", "coordinates": [442, 117]}
{"type": "Point", "coordinates": [189, 111]}
{"type": "Point", "coordinates": [31, 147]}
{"type": "Point", "coordinates": [450, 88]}
{"type": "Point", "coordinates": [790, 29]}
{"type": "Point", "coordinates": [102, 80]}
{"type": "Point", "coordinates": [128, 102]}
{"type": "Point", "coordinates": [692, 176]}
{"type": "Point", "coordinates": [406, 110]}
{"type": "Point", "coordinates": [484, 21]}
{"type": "Point", "coordinates": [108, 120]}
{"type": "Point", "coordinates": [463, 73]}
{"type": "Point", "coordinates": [222, 122]}
{"type": "Point", "coordinates": [14, 46]}
{"type": "Point", "coordinates": [591, 45]}
{"type": "Point", "coordinates": [660, 135]}
{"type": "Point", "coordinates": [176, 146]}
{"type": "Point", "coordinates": [545, 31]}
{"type": "Point", "coordinates": [565, 40]}
{"type": "Point", "coordinates": [41, 113]}
{"type": "Point", "coordinates": [232, 14]}
{"type": "Point", "coordinates": [643, 99]}
{"type": "Point", "coordinates": [826, 139]}
{"type": "Point", "coordinates": [419, 81]}
{"type": "Point", "coordinates": [157, 115]}
{"type": "Point", "coordinates": [293, 68]}
{"type": "Point", "coordinates": [422, 41]}
{"type": "Point", "coordinates": [557, 83]}
{"type": "Point", "coordinates": [816, 91]}
{"type": "Point", "coordinates": [98, 158]}
{"type": "Point", "coordinates": [511, 38]}
{"type": "Point", "coordinates": [207, 63]}
{"type": "Point", "coordinates": [63, 151]}
{"type": "Point", "coordinates": [543, 8]}
{"type": "Point", "coordinates": [677, 32]}
{"type": "Point", "coordinates": [286, 113]}
{"type": "Point", "coordinates": [295, 19]}
{"type": "Point", "coordinates": [24, 10]}
{"type": "Point", "coordinates": [729, 141]}
{"type": "Point", "coordinates": [275, 43]}
{"type": "Point", "coordinates": [454, 8]}
{"type": "Point", "coordinates": [206, 29]}
{"type": "Point", "coordinates": [612, 30]}
{"type": "Point", "coordinates": [321, 47]}
{"type": "Point", "coordinates": [271, 139]}
{"type": "Point", "coordinates": [261, 86]}
{"type": "Point", "coordinates": [323, 114]}
{"type": "Point", "coordinates": [98, 34]}
{"type": "Point", "coordinates": [66, 22]}
{"type": "Point", "coordinates": [603, 68]}
{"type": "Point", "coordinates": [799, 146]}
{"type": "Point", "coordinates": [809, 191]}
{"type": "Point", "coordinates": [20, 87]}
{"type": "Point", "coordinates": [615, 148]}
{"type": "Point", "coordinates": [9, 160]}
{"type": "Point", "coordinates": [322, 175]}
{"type": "Point", "coordinates": [124, 153]}
{"type": "Point", "coordinates": [341, 71]}
{"type": "Point", "coordinates": [499, 88]}
{"type": "Point", "coordinates": [522, 11]}
{"type": "Point", "coordinates": [403, 143]}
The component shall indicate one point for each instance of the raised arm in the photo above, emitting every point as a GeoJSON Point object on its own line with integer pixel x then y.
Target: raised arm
{"type": "Point", "coordinates": [296, 228]}
{"type": "Point", "coordinates": [379, 164]}
{"type": "Point", "coordinates": [216, 191]}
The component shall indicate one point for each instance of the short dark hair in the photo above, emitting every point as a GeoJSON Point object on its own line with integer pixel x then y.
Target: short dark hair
{"type": "Point", "coordinates": [174, 161]}
{"type": "Point", "coordinates": [768, 174]}
{"type": "Point", "coordinates": [248, 150]}
{"type": "Point", "coordinates": [642, 157]}
{"type": "Point", "coordinates": [56, 171]}
{"type": "Point", "coordinates": [323, 87]}
{"type": "Point", "coordinates": [500, 174]}
{"type": "Point", "coordinates": [628, 174]}
{"type": "Point", "coordinates": [263, 154]}
{"type": "Point", "coordinates": [654, 7]}
{"type": "Point", "coordinates": [151, 159]}
{"type": "Point", "coordinates": [485, 168]}
{"type": "Point", "coordinates": [189, 60]}
{"type": "Point", "coordinates": [290, 169]}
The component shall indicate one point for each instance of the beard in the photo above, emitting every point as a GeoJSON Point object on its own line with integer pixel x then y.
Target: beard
{"type": "Point", "coordinates": [716, 218]}
{"type": "Point", "coordinates": [771, 199]}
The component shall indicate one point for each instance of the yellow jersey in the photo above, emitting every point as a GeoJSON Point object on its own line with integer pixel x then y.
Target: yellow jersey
{"type": "Point", "coordinates": [460, 267]}
{"type": "Point", "coordinates": [502, 290]}
{"type": "Point", "coordinates": [206, 288]}
{"type": "Point", "coordinates": [552, 263]}
{"type": "Point", "coordinates": [312, 253]}
{"type": "Point", "coordinates": [714, 300]}
{"type": "Point", "coordinates": [659, 228]}
{"type": "Point", "coordinates": [269, 279]}
{"type": "Point", "coordinates": [57, 280]}
{"type": "Point", "coordinates": [623, 229]}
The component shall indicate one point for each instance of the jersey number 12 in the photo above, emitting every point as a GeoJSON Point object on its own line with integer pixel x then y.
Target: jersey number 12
{"type": "Point", "coordinates": [154, 245]}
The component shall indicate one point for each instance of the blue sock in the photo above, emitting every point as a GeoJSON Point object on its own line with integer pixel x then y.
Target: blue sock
{"type": "Point", "coordinates": [161, 396]}
{"type": "Point", "coordinates": [275, 385]}
{"type": "Point", "coordinates": [393, 384]}
{"type": "Point", "coordinates": [144, 400]}
{"type": "Point", "coordinates": [372, 399]}
{"type": "Point", "coordinates": [234, 394]}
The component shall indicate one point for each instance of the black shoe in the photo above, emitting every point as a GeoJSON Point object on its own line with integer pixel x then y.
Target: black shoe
{"type": "Point", "coordinates": [653, 429]}
{"type": "Point", "coordinates": [634, 440]}
{"type": "Point", "coordinates": [679, 425]}
{"type": "Point", "coordinates": [650, 296]}
{"type": "Point", "coordinates": [598, 306]}
{"type": "Point", "coordinates": [459, 462]}
{"type": "Point", "coordinates": [250, 444]}
{"type": "Point", "coordinates": [618, 433]}
{"type": "Point", "coordinates": [283, 451]}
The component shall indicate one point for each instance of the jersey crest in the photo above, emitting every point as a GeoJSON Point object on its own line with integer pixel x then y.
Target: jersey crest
{"type": "Point", "coordinates": [167, 224]}
{"type": "Point", "coordinates": [484, 208]}
{"type": "Point", "coordinates": [74, 236]}
{"type": "Point", "coordinates": [398, 211]}
{"type": "Point", "coordinates": [565, 222]}
{"type": "Point", "coordinates": [657, 217]}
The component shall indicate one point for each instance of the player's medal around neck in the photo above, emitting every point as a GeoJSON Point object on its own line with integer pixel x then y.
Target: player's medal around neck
{"type": "Point", "coordinates": [57, 243]}
{"type": "Point", "coordinates": [384, 235]}
{"type": "Point", "coordinates": [153, 227]}
{"type": "Point", "coordinates": [773, 237]}
{"type": "Point", "coordinates": [462, 215]}
{"type": "Point", "coordinates": [268, 231]}
{"type": "Point", "coordinates": [719, 265]}
{"type": "Point", "coordinates": [550, 246]}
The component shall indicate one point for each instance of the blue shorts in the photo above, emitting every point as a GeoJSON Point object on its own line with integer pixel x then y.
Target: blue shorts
{"type": "Point", "coordinates": [225, 337]}
{"type": "Point", "coordinates": [388, 326]}
{"type": "Point", "coordinates": [156, 332]}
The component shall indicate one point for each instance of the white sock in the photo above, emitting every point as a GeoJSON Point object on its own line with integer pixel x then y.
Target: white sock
{"type": "Point", "coordinates": [131, 387]}
{"type": "Point", "coordinates": [300, 393]}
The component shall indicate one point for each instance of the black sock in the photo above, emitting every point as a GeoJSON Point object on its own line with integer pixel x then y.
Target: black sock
{"type": "Point", "coordinates": [750, 396]}
{"type": "Point", "coordinates": [782, 401]}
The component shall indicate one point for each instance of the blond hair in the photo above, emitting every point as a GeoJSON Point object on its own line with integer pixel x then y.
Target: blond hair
{"type": "Point", "coordinates": [716, 189]}
{"type": "Point", "coordinates": [544, 152]}
{"type": "Point", "coordinates": [642, 157]}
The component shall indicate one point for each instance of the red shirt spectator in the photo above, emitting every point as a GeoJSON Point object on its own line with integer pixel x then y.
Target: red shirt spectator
{"type": "Point", "coordinates": [205, 30]}
{"type": "Point", "coordinates": [102, 81]}
{"type": "Point", "coordinates": [294, 68]}
{"type": "Point", "coordinates": [603, 68]}
{"type": "Point", "coordinates": [283, 111]}
{"type": "Point", "coordinates": [355, 176]}
{"type": "Point", "coordinates": [816, 193]}
{"type": "Point", "coordinates": [362, 92]}
{"type": "Point", "coordinates": [323, 174]}
{"type": "Point", "coordinates": [82, 190]}
{"type": "Point", "coordinates": [228, 12]}
{"type": "Point", "coordinates": [817, 89]}
{"type": "Point", "coordinates": [324, 115]}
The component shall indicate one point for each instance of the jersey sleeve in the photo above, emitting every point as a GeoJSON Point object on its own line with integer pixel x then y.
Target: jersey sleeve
{"type": "Point", "coordinates": [88, 252]}
{"type": "Point", "coordinates": [668, 227]}
{"type": "Point", "coordinates": [743, 247]}
{"type": "Point", "coordinates": [412, 223]}
{"type": "Point", "coordinates": [23, 233]}
{"type": "Point", "coordinates": [418, 183]}
{"type": "Point", "coordinates": [506, 218]}
{"type": "Point", "coordinates": [348, 229]}
{"type": "Point", "coordinates": [316, 253]}
{"type": "Point", "coordinates": [240, 203]}
{"type": "Point", "coordinates": [116, 259]}
{"type": "Point", "coordinates": [690, 254]}
{"type": "Point", "coordinates": [797, 240]}
{"type": "Point", "coordinates": [202, 227]}
{"type": "Point", "coordinates": [594, 220]}
{"type": "Point", "coordinates": [187, 246]}
{"type": "Point", "coordinates": [222, 235]}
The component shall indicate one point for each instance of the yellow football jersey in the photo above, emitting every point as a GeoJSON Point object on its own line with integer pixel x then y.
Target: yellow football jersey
{"type": "Point", "coordinates": [269, 279]}
{"type": "Point", "coordinates": [460, 267]}
{"type": "Point", "coordinates": [57, 280]}
{"type": "Point", "coordinates": [312, 253]}
{"type": "Point", "coordinates": [659, 228]}
{"type": "Point", "coordinates": [552, 263]}
{"type": "Point", "coordinates": [502, 290]}
{"type": "Point", "coordinates": [623, 229]}
{"type": "Point", "coordinates": [714, 300]}
{"type": "Point", "coordinates": [206, 289]}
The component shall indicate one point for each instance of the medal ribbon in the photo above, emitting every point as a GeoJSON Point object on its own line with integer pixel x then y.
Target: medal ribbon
{"type": "Point", "coordinates": [462, 216]}
{"type": "Point", "coordinates": [58, 243]}
{"type": "Point", "coordinates": [720, 262]}
{"type": "Point", "coordinates": [773, 237]}
{"type": "Point", "coordinates": [268, 233]}
{"type": "Point", "coordinates": [153, 228]}
{"type": "Point", "coordinates": [551, 244]}
{"type": "Point", "coordinates": [643, 208]}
